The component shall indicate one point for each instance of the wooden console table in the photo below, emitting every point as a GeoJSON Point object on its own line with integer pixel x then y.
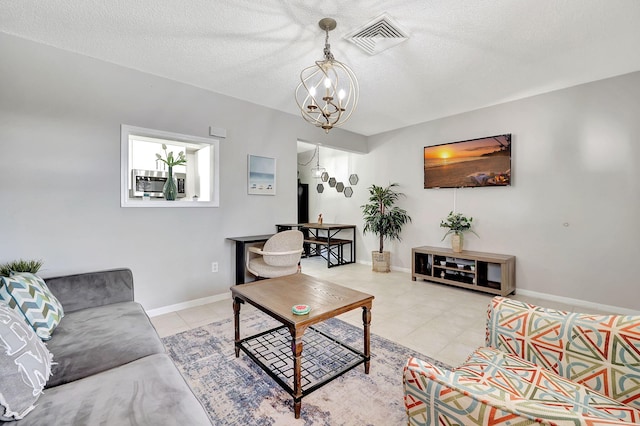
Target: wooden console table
{"type": "Point", "coordinates": [321, 240]}
{"type": "Point", "coordinates": [487, 272]}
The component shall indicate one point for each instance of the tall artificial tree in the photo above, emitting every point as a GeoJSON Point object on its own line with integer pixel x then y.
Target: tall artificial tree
{"type": "Point", "coordinates": [381, 217]}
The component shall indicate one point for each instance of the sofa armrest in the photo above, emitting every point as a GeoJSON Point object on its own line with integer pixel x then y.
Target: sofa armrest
{"type": "Point", "coordinates": [274, 253]}
{"type": "Point", "coordinates": [601, 352]}
{"type": "Point", "coordinates": [88, 290]}
{"type": "Point", "coordinates": [431, 398]}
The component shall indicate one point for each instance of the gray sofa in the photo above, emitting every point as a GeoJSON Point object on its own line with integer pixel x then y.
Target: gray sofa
{"type": "Point", "coordinates": [110, 365]}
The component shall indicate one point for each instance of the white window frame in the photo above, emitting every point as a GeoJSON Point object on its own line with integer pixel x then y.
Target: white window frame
{"type": "Point", "coordinates": [125, 168]}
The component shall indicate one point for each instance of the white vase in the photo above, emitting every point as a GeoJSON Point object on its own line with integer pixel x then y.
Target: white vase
{"type": "Point", "coordinates": [456, 242]}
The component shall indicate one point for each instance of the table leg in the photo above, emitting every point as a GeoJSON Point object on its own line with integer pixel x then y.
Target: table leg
{"type": "Point", "coordinates": [307, 246]}
{"type": "Point", "coordinates": [329, 249]}
{"type": "Point", "coordinates": [240, 262]}
{"type": "Point", "coordinates": [236, 325]}
{"type": "Point", "coordinates": [366, 322]}
{"type": "Point", "coordinates": [353, 246]}
{"type": "Point", "coordinates": [296, 347]}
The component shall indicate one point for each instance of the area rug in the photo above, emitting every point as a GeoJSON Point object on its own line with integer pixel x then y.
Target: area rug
{"type": "Point", "coordinates": [235, 391]}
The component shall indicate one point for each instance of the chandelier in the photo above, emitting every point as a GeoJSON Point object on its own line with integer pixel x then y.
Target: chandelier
{"type": "Point", "coordinates": [328, 91]}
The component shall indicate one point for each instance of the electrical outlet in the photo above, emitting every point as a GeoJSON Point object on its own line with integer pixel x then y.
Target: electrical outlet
{"type": "Point", "coordinates": [214, 266]}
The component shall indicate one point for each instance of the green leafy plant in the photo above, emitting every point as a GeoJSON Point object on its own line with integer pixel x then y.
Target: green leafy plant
{"type": "Point", "coordinates": [169, 159]}
{"type": "Point", "coordinates": [21, 265]}
{"type": "Point", "coordinates": [457, 224]}
{"type": "Point", "coordinates": [381, 217]}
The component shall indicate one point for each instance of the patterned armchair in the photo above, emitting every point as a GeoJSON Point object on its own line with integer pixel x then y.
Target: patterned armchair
{"type": "Point", "coordinates": [539, 366]}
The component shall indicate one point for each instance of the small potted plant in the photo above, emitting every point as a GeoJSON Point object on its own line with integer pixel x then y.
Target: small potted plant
{"type": "Point", "coordinates": [384, 219]}
{"type": "Point", "coordinates": [457, 223]}
{"type": "Point", "coordinates": [32, 266]}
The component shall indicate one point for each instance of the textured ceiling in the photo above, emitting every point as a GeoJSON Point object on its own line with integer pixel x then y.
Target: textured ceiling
{"type": "Point", "coordinates": [462, 54]}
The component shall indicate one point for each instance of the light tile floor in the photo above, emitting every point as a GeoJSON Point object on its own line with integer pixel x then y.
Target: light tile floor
{"type": "Point", "coordinates": [443, 322]}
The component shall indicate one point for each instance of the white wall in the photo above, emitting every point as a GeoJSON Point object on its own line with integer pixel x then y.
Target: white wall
{"type": "Point", "coordinates": [60, 117]}
{"type": "Point", "coordinates": [575, 161]}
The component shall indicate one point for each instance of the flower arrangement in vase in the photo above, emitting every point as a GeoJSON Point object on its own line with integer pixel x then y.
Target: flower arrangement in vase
{"type": "Point", "coordinates": [457, 223]}
{"type": "Point", "coordinates": [170, 189]}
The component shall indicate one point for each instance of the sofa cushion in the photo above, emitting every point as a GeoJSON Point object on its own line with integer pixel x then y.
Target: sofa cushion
{"type": "Point", "coordinates": [91, 289]}
{"type": "Point", "coordinates": [28, 294]}
{"type": "Point", "coordinates": [534, 389]}
{"type": "Point", "coordinates": [25, 365]}
{"type": "Point", "coordinates": [93, 340]}
{"type": "Point", "coordinates": [149, 391]}
{"type": "Point", "coordinates": [601, 352]}
{"type": "Point", "coordinates": [494, 383]}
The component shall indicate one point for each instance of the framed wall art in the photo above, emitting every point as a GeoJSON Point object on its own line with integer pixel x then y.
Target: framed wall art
{"type": "Point", "coordinates": [261, 175]}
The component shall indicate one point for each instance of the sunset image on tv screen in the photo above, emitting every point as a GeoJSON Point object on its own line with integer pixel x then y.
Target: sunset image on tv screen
{"type": "Point", "coordinates": [476, 162]}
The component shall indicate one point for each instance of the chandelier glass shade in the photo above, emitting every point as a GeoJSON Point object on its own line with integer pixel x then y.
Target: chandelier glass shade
{"type": "Point", "coordinates": [327, 93]}
{"type": "Point", "coordinates": [317, 171]}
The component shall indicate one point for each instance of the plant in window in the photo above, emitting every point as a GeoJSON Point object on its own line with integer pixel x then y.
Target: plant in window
{"type": "Point", "coordinates": [170, 189]}
{"type": "Point", "coordinates": [170, 160]}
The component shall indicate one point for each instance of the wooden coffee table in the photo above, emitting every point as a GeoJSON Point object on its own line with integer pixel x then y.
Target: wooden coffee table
{"type": "Point", "coordinates": [276, 297]}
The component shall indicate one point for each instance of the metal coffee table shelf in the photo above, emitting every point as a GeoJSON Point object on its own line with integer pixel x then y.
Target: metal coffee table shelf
{"type": "Point", "coordinates": [324, 359]}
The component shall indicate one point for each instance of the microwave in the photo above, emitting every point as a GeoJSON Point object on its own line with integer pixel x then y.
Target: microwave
{"type": "Point", "coordinates": [152, 181]}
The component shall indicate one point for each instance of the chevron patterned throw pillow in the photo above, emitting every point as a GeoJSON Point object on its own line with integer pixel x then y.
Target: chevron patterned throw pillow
{"type": "Point", "coordinates": [28, 294]}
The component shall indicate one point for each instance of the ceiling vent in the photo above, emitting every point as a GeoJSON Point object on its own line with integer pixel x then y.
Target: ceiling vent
{"type": "Point", "coordinates": [380, 34]}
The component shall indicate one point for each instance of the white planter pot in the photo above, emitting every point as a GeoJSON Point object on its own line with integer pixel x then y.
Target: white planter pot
{"type": "Point", "coordinates": [381, 261]}
{"type": "Point", "coordinates": [456, 242]}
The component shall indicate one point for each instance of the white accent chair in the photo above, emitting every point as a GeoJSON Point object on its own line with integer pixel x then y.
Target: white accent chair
{"type": "Point", "coordinates": [279, 256]}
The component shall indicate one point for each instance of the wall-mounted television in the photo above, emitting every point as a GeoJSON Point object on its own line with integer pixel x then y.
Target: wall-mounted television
{"type": "Point", "coordinates": [471, 163]}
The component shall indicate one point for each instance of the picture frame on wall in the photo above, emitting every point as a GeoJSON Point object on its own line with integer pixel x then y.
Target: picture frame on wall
{"type": "Point", "coordinates": [261, 176]}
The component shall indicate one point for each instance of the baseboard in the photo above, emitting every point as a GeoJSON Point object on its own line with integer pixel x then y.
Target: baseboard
{"type": "Point", "coordinates": [577, 302]}
{"type": "Point", "coordinates": [393, 268]}
{"type": "Point", "coordinates": [550, 297]}
{"type": "Point", "coordinates": [190, 304]}
{"type": "Point", "coordinates": [523, 292]}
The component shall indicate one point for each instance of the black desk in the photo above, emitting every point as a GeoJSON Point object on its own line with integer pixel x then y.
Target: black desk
{"type": "Point", "coordinates": [240, 252]}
